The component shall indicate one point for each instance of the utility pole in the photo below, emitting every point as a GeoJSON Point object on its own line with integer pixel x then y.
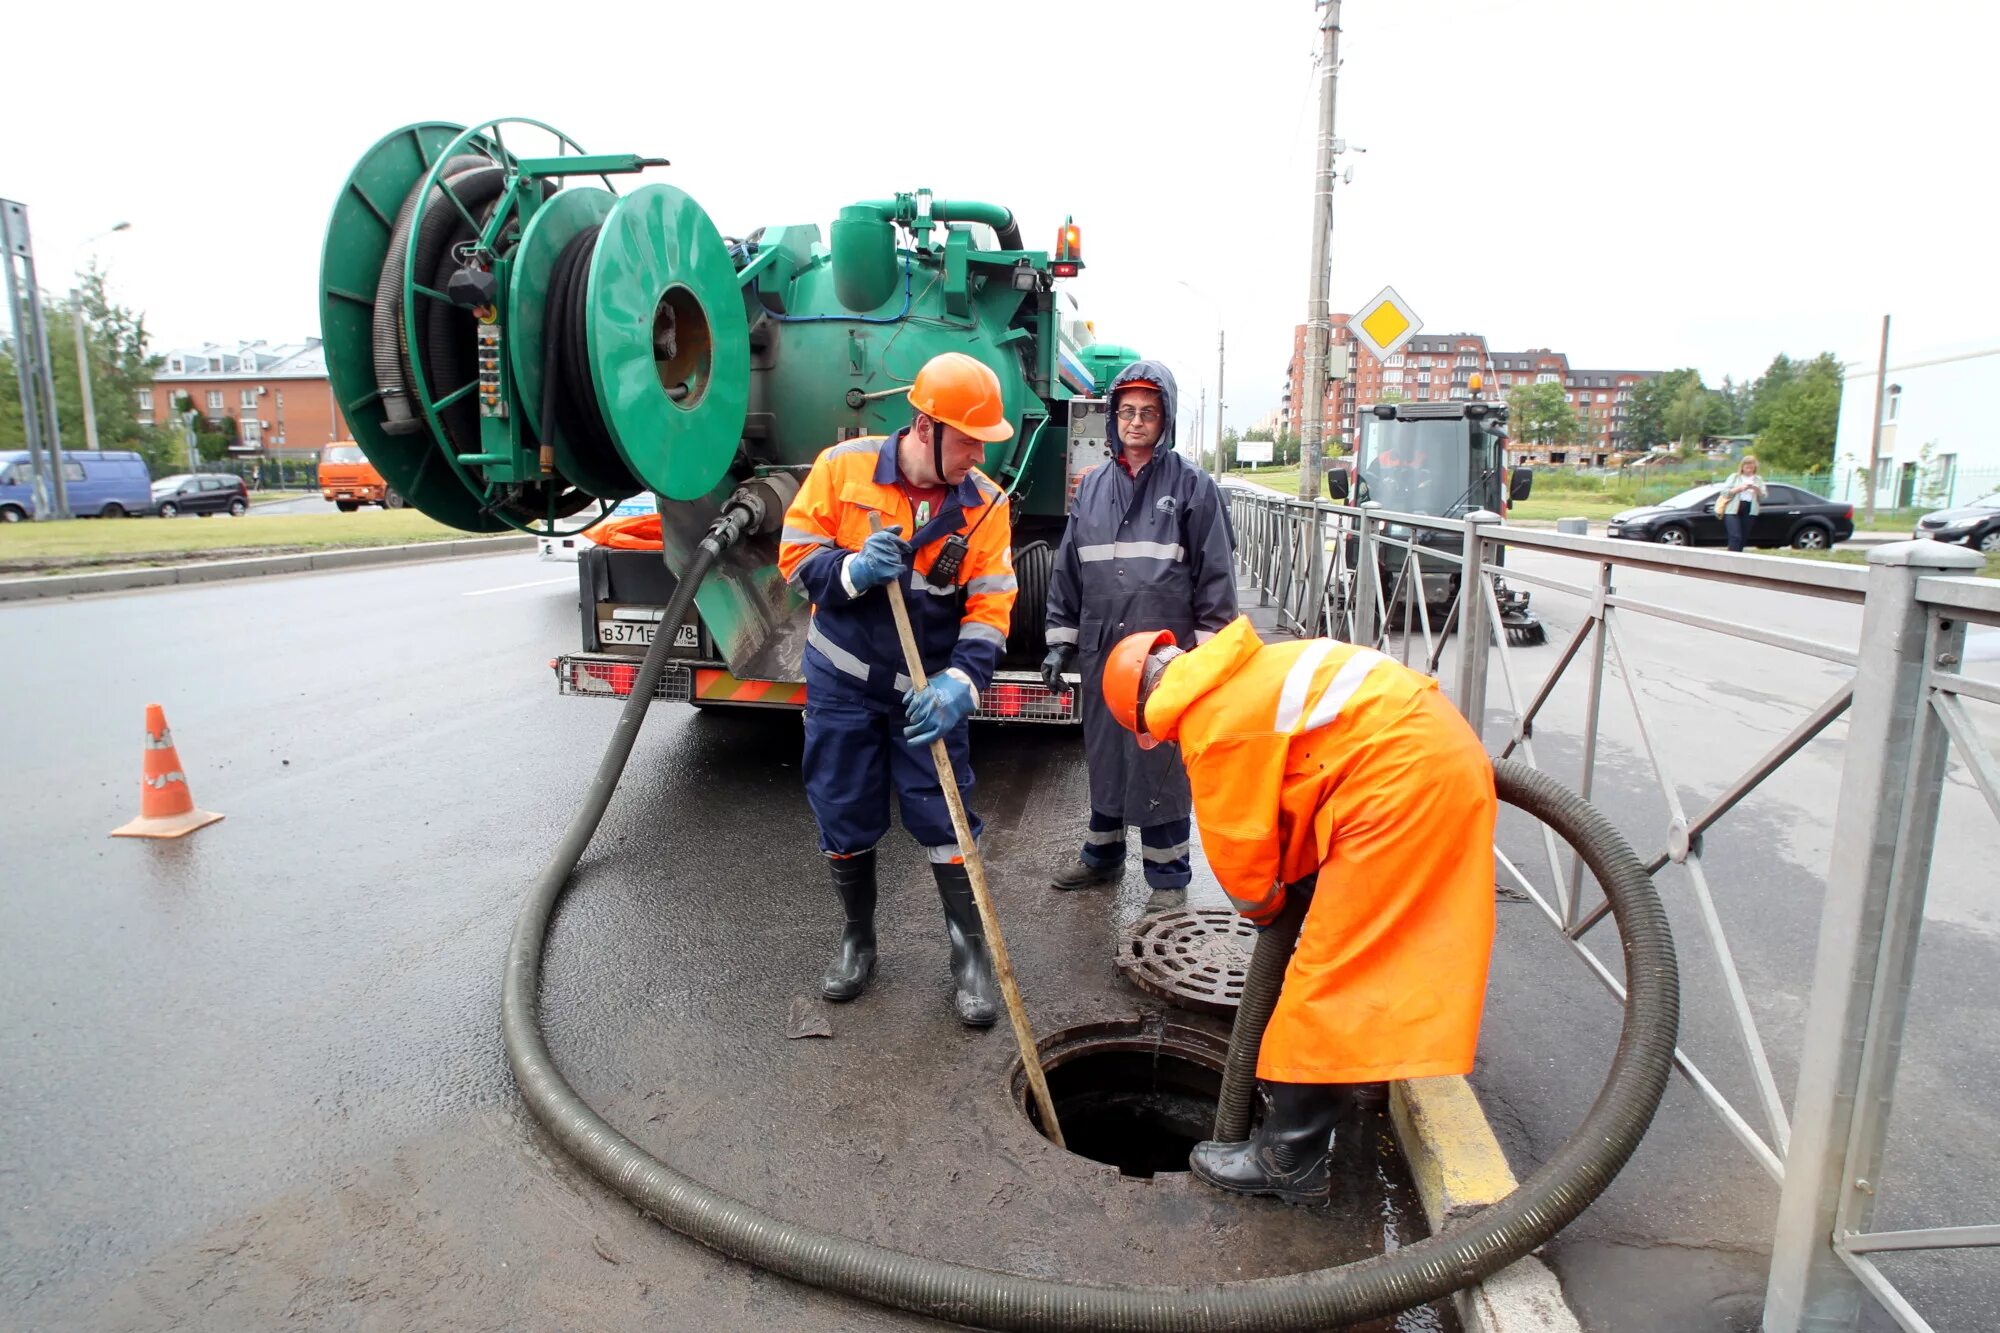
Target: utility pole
{"type": "Point", "coordinates": [1318, 324]}
{"type": "Point", "coordinates": [1875, 433]}
{"type": "Point", "coordinates": [83, 370]}
{"type": "Point", "coordinates": [1219, 361]}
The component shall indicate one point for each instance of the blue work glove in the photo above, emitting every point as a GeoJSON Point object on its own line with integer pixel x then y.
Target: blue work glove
{"type": "Point", "coordinates": [884, 557]}
{"type": "Point", "coordinates": [1061, 657]}
{"type": "Point", "coordinates": [937, 708]}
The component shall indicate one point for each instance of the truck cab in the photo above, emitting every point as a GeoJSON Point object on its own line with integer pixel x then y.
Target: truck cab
{"type": "Point", "coordinates": [349, 480]}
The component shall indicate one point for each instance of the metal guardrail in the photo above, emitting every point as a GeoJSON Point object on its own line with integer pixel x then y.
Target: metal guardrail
{"type": "Point", "coordinates": [1349, 572]}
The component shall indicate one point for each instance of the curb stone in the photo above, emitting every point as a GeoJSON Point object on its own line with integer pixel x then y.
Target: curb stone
{"type": "Point", "coordinates": [1459, 1169]}
{"type": "Point", "coordinates": [214, 571]}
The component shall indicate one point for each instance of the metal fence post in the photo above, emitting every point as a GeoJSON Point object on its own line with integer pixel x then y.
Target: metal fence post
{"type": "Point", "coordinates": [1891, 780]}
{"type": "Point", "coordinates": [1475, 627]}
{"type": "Point", "coordinates": [1367, 576]}
{"type": "Point", "coordinates": [1314, 618]}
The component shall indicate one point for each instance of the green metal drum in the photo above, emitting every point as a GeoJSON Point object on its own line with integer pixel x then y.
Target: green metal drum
{"type": "Point", "coordinates": [669, 343]}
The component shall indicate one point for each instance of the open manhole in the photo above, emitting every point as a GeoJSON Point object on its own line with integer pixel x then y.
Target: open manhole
{"type": "Point", "coordinates": [1136, 1094]}
{"type": "Point", "coordinates": [1191, 959]}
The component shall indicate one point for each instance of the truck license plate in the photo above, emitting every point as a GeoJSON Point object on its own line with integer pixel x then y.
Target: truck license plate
{"type": "Point", "coordinates": [642, 631]}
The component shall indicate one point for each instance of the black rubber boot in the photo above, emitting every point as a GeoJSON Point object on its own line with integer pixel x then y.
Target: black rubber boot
{"type": "Point", "coordinates": [854, 880]}
{"type": "Point", "coordinates": [978, 996]}
{"type": "Point", "coordinates": [1287, 1155]}
{"type": "Point", "coordinates": [1081, 874]}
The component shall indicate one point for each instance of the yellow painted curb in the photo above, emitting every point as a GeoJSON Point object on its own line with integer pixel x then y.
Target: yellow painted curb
{"type": "Point", "coordinates": [1452, 1154]}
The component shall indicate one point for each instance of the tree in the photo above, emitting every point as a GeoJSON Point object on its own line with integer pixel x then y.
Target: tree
{"type": "Point", "coordinates": [1541, 414]}
{"type": "Point", "coordinates": [1645, 419]}
{"type": "Point", "coordinates": [1734, 398]}
{"type": "Point", "coordinates": [115, 341]}
{"type": "Point", "coordinates": [1764, 394]}
{"type": "Point", "coordinates": [1803, 418]}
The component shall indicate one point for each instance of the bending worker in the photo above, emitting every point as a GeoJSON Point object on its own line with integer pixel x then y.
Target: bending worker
{"type": "Point", "coordinates": [1148, 547]}
{"type": "Point", "coordinates": [1322, 761]}
{"type": "Point", "coordinates": [866, 729]}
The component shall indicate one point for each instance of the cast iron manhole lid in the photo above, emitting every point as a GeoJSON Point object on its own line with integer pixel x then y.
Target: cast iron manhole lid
{"type": "Point", "coordinates": [1194, 959]}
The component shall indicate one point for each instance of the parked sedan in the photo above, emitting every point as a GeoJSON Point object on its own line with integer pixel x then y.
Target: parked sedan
{"type": "Point", "coordinates": [202, 494]}
{"type": "Point", "coordinates": [1976, 524]}
{"type": "Point", "coordinates": [1788, 517]}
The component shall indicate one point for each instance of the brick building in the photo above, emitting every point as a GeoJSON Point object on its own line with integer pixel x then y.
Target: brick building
{"type": "Point", "coordinates": [1435, 367]}
{"type": "Point", "coordinates": [278, 394]}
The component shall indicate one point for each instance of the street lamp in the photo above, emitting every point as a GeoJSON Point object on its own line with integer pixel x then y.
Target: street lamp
{"type": "Point", "coordinates": [82, 357]}
{"type": "Point", "coordinates": [1219, 362]}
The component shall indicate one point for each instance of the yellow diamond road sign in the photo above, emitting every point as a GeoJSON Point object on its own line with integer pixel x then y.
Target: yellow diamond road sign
{"type": "Point", "coordinates": [1386, 323]}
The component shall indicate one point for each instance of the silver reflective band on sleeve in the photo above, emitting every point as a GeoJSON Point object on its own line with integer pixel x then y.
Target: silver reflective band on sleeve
{"type": "Point", "coordinates": [801, 537]}
{"type": "Point", "coordinates": [1162, 855]}
{"type": "Point", "coordinates": [1342, 687]}
{"type": "Point", "coordinates": [1060, 635]}
{"type": "Point", "coordinates": [834, 653]}
{"type": "Point", "coordinates": [845, 581]}
{"type": "Point", "coordinates": [1129, 551]}
{"type": "Point", "coordinates": [1292, 698]}
{"type": "Point", "coordinates": [980, 632]}
{"type": "Point", "coordinates": [986, 583]}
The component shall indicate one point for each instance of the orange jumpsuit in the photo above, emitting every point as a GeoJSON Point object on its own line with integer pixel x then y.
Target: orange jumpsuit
{"type": "Point", "coordinates": [1323, 758]}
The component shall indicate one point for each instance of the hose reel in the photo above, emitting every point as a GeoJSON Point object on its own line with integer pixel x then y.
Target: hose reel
{"type": "Point", "coordinates": [510, 349]}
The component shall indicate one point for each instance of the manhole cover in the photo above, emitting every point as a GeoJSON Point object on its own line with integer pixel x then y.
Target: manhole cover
{"type": "Point", "coordinates": [1194, 959]}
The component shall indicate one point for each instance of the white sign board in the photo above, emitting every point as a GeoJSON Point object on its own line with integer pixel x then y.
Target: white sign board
{"type": "Point", "coordinates": [1253, 451]}
{"type": "Point", "coordinates": [1385, 324]}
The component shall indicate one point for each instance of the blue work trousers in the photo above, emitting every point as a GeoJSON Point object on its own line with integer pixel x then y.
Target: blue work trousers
{"type": "Point", "coordinates": [855, 754]}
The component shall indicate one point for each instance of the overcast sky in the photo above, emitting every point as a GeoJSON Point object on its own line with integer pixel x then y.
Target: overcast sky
{"type": "Point", "coordinates": [1639, 185]}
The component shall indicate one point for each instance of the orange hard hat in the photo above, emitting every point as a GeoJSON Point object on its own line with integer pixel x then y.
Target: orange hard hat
{"type": "Point", "coordinates": [963, 392]}
{"type": "Point", "coordinates": [1124, 670]}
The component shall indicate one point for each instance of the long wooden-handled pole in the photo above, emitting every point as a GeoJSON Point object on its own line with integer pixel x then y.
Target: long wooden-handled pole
{"type": "Point", "coordinates": [975, 869]}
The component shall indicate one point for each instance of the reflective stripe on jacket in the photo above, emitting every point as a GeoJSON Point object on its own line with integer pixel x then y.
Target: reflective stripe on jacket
{"type": "Point", "coordinates": [853, 636]}
{"type": "Point", "coordinates": [1152, 551]}
{"type": "Point", "coordinates": [1322, 760]}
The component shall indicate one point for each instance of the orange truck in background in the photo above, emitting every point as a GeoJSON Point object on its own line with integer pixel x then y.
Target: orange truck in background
{"type": "Point", "coordinates": [347, 478]}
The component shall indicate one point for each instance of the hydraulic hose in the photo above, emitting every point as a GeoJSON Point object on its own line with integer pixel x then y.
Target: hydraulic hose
{"type": "Point", "coordinates": [386, 320]}
{"type": "Point", "coordinates": [1253, 1013]}
{"type": "Point", "coordinates": [1371, 1288]}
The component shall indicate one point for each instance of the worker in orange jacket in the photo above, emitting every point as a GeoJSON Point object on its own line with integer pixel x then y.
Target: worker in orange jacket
{"type": "Point", "coordinates": [947, 539]}
{"type": "Point", "coordinates": [1318, 761]}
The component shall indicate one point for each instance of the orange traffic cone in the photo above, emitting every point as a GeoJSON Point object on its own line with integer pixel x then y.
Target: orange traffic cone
{"type": "Point", "coordinates": [166, 806]}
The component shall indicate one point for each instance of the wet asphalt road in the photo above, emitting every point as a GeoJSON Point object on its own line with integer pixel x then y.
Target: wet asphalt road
{"type": "Point", "coordinates": [254, 1076]}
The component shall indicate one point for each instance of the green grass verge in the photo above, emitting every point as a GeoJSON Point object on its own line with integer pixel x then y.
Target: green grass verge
{"type": "Point", "coordinates": [47, 548]}
{"type": "Point", "coordinates": [1991, 569]}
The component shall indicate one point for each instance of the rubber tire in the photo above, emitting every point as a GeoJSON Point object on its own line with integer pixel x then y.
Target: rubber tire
{"type": "Point", "coordinates": [392, 500]}
{"type": "Point", "coordinates": [1988, 544]}
{"type": "Point", "coordinates": [112, 510]}
{"type": "Point", "coordinates": [238, 507]}
{"type": "Point", "coordinates": [1674, 534]}
{"type": "Point", "coordinates": [1034, 565]}
{"type": "Point", "coordinates": [347, 506]}
{"type": "Point", "coordinates": [1812, 537]}
{"type": "Point", "coordinates": [12, 514]}
{"type": "Point", "coordinates": [168, 509]}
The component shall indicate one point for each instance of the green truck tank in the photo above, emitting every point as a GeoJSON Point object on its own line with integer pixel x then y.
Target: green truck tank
{"type": "Point", "coordinates": [518, 342]}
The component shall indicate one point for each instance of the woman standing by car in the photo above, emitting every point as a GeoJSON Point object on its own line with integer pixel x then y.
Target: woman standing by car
{"type": "Point", "coordinates": [1740, 498]}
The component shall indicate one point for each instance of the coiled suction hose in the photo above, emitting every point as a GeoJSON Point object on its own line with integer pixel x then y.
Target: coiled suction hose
{"type": "Point", "coordinates": [1412, 1275]}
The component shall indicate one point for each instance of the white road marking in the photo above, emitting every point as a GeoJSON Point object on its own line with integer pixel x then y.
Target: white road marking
{"type": "Point", "coordinates": [516, 587]}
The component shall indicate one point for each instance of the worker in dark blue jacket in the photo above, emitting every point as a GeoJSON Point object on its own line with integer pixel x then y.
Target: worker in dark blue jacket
{"type": "Point", "coordinates": [1148, 547]}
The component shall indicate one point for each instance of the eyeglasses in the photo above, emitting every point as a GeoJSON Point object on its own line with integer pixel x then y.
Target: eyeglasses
{"type": "Point", "coordinates": [1145, 416]}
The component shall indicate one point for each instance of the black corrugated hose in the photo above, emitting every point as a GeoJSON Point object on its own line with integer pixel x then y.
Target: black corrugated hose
{"type": "Point", "coordinates": [1253, 1013]}
{"type": "Point", "coordinates": [1371, 1288]}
